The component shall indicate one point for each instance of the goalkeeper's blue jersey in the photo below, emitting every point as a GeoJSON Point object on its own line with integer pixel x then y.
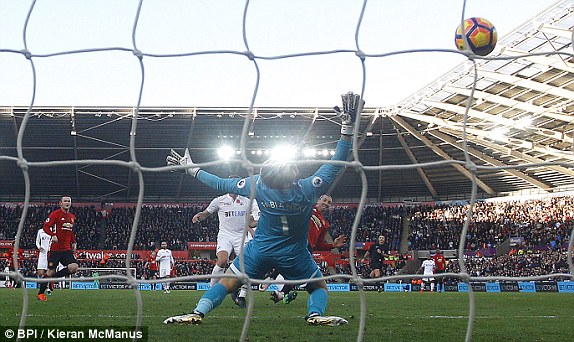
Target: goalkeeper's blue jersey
{"type": "Point", "coordinates": [285, 214]}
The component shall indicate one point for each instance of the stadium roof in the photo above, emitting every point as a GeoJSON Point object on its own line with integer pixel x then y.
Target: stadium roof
{"type": "Point", "coordinates": [521, 114]}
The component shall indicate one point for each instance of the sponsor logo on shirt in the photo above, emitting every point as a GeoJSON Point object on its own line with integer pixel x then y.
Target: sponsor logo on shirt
{"type": "Point", "coordinates": [241, 184]}
{"type": "Point", "coordinates": [234, 213]}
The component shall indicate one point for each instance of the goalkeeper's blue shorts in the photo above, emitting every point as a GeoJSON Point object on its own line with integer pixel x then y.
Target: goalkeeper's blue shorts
{"type": "Point", "coordinates": [291, 266]}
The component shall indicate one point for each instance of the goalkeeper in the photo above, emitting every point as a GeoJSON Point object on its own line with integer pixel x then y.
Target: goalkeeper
{"type": "Point", "coordinates": [280, 241]}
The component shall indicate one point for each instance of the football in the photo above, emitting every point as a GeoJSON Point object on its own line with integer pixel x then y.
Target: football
{"type": "Point", "coordinates": [481, 35]}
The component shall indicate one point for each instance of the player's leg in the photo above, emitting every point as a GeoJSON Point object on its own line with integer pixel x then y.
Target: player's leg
{"type": "Point", "coordinates": [432, 284]}
{"type": "Point", "coordinates": [377, 273]}
{"type": "Point", "coordinates": [167, 284]}
{"type": "Point", "coordinates": [224, 248]}
{"type": "Point", "coordinates": [163, 274]}
{"type": "Point", "coordinates": [302, 268]}
{"type": "Point", "coordinates": [272, 276]}
{"type": "Point", "coordinates": [239, 297]}
{"type": "Point", "coordinates": [41, 269]}
{"type": "Point", "coordinates": [53, 260]}
{"type": "Point", "coordinates": [68, 260]}
{"type": "Point", "coordinates": [440, 283]}
{"type": "Point", "coordinates": [278, 295]}
{"type": "Point", "coordinates": [317, 303]}
{"type": "Point", "coordinates": [254, 268]}
{"type": "Point", "coordinates": [209, 301]}
{"type": "Point", "coordinates": [285, 294]}
{"type": "Point", "coordinates": [69, 263]}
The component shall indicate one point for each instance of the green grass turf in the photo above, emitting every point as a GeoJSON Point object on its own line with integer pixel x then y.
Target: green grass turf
{"type": "Point", "coordinates": [390, 316]}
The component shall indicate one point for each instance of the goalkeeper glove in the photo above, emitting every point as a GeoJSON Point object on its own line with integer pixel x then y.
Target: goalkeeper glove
{"type": "Point", "coordinates": [352, 106]}
{"type": "Point", "coordinates": [175, 158]}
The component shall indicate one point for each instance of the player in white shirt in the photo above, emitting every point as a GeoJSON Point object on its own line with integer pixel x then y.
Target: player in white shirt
{"type": "Point", "coordinates": [428, 266]}
{"type": "Point", "coordinates": [232, 212]}
{"type": "Point", "coordinates": [43, 241]}
{"type": "Point", "coordinates": [166, 263]}
{"type": "Point", "coordinates": [8, 282]}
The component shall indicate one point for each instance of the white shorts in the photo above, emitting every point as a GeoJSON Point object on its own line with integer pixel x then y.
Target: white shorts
{"type": "Point", "coordinates": [42, 261]}
{"type": "Point", "coordinates": [164, 272]}
{"type": "Point", "coordinates": [428, 277]}
{"type": "Point", "coordinates": [228, 243]}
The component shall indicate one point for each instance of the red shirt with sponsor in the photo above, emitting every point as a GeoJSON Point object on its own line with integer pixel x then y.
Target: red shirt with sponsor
{"type": "Point", "coordinates": [61, 224]}
{"type": "Point", "coordinates": [152, 263]}
{"type": "Point", "coordinates": [318, 228]}
{"type": "Point", "coordinates": [439, 261]}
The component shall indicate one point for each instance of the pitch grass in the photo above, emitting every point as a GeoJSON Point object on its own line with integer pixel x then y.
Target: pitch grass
{"type": "Point", "coordinates": [390, 316]}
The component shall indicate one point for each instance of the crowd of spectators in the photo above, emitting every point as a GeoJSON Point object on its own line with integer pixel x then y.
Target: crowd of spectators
{"type": "Point", "coordinates": [515, 265]}
{"type": "Point", "coordinates": [546, 221]}
{"type": "Point", "coordinates": [540, 222]}
{"type": "Point", "coordinates": [375, 220]}
{"type": "Point", "coordinates": [173, 225]}
{"type": "Point", "coordinates": [158, 223]}
{"type": "Point", "coordinates": [86, 229]}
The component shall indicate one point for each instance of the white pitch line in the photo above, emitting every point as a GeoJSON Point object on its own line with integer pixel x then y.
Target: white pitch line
{"type": "Point", "coordinates": [493, 317]}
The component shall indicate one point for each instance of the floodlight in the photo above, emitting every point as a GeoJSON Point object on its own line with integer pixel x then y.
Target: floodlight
{"type": "Point", "coordinates": [283, 153]}
{"type": "Point", "coordinates": [225, 152]}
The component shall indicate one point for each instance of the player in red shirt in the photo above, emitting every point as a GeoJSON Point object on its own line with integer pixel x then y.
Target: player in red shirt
{"type": "Point", "coordinates": [318, 228]}
{"type": "Point", "coordinates": [440, 267]}
{"type": "Point", "coordinates": [152, 265]}
{"type": "Point", "coordinates": [59, 225]}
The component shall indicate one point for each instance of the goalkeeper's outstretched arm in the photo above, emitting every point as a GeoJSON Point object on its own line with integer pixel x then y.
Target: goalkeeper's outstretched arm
{"type": "Point", "coordinates": [352, 107]}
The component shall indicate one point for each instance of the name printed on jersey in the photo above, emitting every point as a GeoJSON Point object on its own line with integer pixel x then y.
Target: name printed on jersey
{"type": "Point", "coordinates": [282, 205]}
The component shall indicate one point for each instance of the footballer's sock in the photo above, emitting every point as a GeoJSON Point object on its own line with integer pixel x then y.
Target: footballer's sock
{"type": "Point", "coordinates": [317, 301]}
{"type": "Point", "coordinates": [43, 287]}
{"type": "Point", "coordinates": [211, 299]}
{"type": "Point", "coordinates": [432, 287]}
{"type": "Point", "coordinates": [216, 270]}
{"type": "Point", "coordinates": [243, 291]}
